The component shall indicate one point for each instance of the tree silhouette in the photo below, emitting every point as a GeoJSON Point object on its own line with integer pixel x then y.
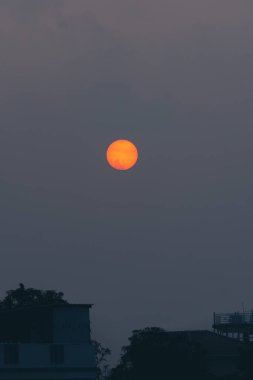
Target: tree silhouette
{"type": "Point", "coordinates": [24, 297]}
{"type": "Point", "coordinates": [101, 358]}
{"type": "Point", "coordinates": [153, 353]}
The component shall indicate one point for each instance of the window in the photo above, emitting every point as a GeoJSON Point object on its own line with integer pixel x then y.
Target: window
{"type": "Point", "coordinates": [11, 354]}
{"type": "Point", "coordinates": [57, 354]}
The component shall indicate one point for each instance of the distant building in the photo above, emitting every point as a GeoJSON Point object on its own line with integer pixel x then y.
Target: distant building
{"type": "Point", "coordinates": [235, 325]}
{"type": "Point", "coordinates": [222, 353]}
{"type": "Point", "coordinates": [47, 342]}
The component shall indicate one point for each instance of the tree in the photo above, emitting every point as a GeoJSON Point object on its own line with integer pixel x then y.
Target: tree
{"type": "Point", "coordinates": [23, 297]}
{"type": "Point", "coordinates": [101, 358]}
{"type": "Point", "coordinates": [153, 353]}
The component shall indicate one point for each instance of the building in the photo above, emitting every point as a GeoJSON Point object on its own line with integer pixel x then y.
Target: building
{"type": "Point", "coordinates": [47, 342]}
{"type": "Point", "coordinates": [236, 325]}
{"type": "Point", "coordinates": [221, 352]}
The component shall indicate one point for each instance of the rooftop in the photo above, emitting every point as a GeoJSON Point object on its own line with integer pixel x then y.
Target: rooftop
{"type": "Point", "coordinates": [47, 306]}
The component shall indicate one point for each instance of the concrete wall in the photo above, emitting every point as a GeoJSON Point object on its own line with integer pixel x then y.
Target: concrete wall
{"type": "Point", "coordinates": [59, 374]}
{"type": "Point", "coordinates": [71, 324]}
{"type": "Point", "coordinates": [223, 366]}
{"type": "Point", "coordinates": [32, 355]}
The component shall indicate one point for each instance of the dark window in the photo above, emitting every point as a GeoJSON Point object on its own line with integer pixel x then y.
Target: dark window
{"type": "Point", "coordinates": [11, 354]}
{"type": "Point", "coordinates": [57, 354]}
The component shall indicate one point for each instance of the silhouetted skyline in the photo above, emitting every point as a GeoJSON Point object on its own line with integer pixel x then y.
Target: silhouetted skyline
{"type": "Point", "coordinates": [170, 241]}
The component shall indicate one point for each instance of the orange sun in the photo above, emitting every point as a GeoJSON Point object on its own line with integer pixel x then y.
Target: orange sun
{"type": "Point", "coordinates": [122, 154]}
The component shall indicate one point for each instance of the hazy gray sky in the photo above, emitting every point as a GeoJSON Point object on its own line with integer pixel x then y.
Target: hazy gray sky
{"type": "Point", "coordinates": [170, 241]}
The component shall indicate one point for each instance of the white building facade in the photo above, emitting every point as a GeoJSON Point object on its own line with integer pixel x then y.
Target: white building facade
{"type": "Point", "coordinates": [47, 342]}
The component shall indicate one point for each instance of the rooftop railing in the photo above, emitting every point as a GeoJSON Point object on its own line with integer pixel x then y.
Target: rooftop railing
{"type": "Point", "coordinates": [234, 318]}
